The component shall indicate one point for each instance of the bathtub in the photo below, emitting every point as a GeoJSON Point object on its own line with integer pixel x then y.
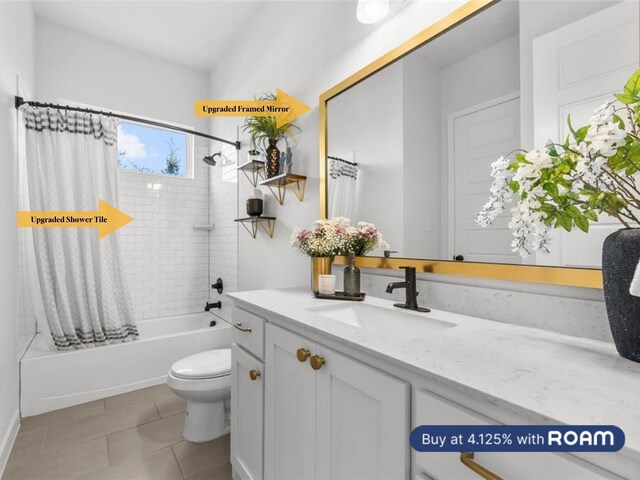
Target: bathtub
{"type": "Point", "coordinates": [53, 379]}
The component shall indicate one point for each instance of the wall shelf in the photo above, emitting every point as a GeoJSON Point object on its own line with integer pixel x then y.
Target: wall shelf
{"type": "Point", "coordinates": [251, 225]}
{"type": "Point", "coordinates": [253, 170]}
{"type": "Point", "coordinates": [278, 185]}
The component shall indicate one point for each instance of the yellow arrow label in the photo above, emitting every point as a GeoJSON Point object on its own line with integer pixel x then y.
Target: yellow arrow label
{"type": "Point", "coordinates": [285, 108]}
{"type": "Point", "coordinates": [107, 219]}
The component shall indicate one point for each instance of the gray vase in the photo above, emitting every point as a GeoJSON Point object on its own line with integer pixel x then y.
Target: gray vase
{"type": "Point", "coordinates": [620, 256]}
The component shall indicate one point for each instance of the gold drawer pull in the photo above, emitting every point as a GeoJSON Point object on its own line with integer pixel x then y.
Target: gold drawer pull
{"type": "Point", "coordinates": [241, 328]}
{"type": "Point", "coordinates": [467, 459]}
{"type": "Point", "coordinates": [317, 361]}
{"type": "Point", "coordinates": [303, 354]}
{"type": "Point", "coordinates": [254, 374]}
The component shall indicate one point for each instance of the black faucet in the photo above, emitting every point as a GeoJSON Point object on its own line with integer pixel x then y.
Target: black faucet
{"type": "Point", "coordinates": [209, 306]}
{"type": "Point", "coordinates": [409, 284]}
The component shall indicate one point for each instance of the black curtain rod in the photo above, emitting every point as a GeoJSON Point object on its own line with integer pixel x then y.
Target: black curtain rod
{"type": "Point", "coordinates": [21, 101]}
{"type": "Point", "coordinates": [342, 160]}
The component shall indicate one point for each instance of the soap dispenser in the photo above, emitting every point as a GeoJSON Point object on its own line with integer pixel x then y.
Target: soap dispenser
{"type": "Point", "coordinates": [352, 277]}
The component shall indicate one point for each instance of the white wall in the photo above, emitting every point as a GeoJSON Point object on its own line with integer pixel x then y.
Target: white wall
{"type": "Point", "coordinates": [16, 59]}
{"type": "Point", "coordinates": [421, 187]}
{"type": "Point", "coordinates": [368, 120]}
{"type": "Point", "coordinates": [166, 261]}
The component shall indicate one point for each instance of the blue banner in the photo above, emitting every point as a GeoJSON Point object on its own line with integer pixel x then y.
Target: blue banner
{"type": "Point", "coordinates": [517, 438]}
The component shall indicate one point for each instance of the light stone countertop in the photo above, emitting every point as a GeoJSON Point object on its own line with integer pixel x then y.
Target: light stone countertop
{"type": "Point", "coordinates": [546, 377]}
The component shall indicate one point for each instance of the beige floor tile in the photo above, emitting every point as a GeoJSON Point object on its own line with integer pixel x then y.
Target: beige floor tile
{"type": "Point", "coordinates": [195, 458]}
{"type": "Point", "coordinates": [132, 443]}
{"type": "Point", "coordinates": [222, 472]}
{"type": "Point", "coordinates": [170, 405]}
{"type": "Point", "coordinates": [65, 464]}
{"type": "Point", "coordinates": [158, 465]}
{"type": "Point", "coordinates": [137, 396]}
{"type": "Point", "coordinates": [27, 446]}
{"type": "Point", "coordinates": [98, 425]}
{"type": "Point", "coordinates": [60, 416]}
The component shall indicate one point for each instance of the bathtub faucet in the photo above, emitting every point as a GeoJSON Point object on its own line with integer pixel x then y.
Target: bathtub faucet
{"type": "Point", "coordinates": [210, 305]}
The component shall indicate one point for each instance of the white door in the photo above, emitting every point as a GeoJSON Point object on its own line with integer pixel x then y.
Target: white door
{"type": "Point", "coordinates": [290, 405]}
{"type": "Point", "coordinates": [362, 420]}
{"type": "Point", "coordinates": [576, 69]}
{"type": "Point", "coordinates": [477, 137]}
{"type": "Point", "coordinates": [247, 414]}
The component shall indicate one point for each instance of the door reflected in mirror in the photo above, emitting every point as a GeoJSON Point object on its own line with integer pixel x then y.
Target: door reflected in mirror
{"type": "Point", "coordinates": [410, 148]}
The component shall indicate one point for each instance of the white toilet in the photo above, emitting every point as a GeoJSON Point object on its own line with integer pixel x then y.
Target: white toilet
{"type": "Point", "coordinates": [204, 381]}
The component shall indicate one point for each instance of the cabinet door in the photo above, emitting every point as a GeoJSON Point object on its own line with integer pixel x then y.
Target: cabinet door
{"type": "Point", "coordinates": [362, 421]}
{"type": "Point", "coordinates": [289, 407]}
{"type": "Point", "coordinates": [247, 414]}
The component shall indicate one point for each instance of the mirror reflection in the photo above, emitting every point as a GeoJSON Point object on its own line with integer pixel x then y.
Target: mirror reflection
{"type": "Point", "coordinates": [410, 148]}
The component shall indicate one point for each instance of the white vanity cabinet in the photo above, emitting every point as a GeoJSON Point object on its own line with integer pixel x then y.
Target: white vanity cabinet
{"type": "Point", "coordinates": [329, 416]}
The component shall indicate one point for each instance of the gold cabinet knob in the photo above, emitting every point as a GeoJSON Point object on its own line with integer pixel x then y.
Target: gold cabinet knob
{"type": "Point", "coordinates": [254, 374]}
{"type": "Point", "coordinates": [303, 354]}
{"type": "Point", "coordinates": [316, 362]}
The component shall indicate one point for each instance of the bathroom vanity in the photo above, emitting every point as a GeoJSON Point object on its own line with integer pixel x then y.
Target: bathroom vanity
{"type": "Point", "coordinates": [330, 389]}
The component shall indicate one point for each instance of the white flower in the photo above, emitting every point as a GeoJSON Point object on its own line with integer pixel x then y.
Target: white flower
{"type": "Point", "coordinates": [603, 114]}
{"type": "Point", "coordinates": [605, 139]}
{"type": "Point", "coordinates": [501, 193]}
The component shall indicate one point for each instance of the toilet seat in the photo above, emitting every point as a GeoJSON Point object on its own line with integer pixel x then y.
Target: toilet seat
{"type": "Point", "coordinates": [204, 365]}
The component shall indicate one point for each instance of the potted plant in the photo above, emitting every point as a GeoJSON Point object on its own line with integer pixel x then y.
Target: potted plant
{"type": "Point", "coordinates": [265, 134]}
{"type": "Point", "coordinates": [336, 236]}
{"type": "Point", "coordinates": [594, 172]}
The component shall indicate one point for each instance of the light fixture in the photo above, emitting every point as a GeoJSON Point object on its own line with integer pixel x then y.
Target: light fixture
{"type": "Point", "coordinates": [372, 11]}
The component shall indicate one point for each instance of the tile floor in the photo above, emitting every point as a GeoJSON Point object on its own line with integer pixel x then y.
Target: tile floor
{"type": "Point", "coordinates": [133, 436]}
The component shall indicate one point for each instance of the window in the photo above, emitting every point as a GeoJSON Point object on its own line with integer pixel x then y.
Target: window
{"type": "Point", "coordinates": [153, 150]}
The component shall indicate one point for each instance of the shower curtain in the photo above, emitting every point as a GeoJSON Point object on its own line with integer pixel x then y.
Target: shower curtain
{"type": "Point", "coordinates": [343, 177]}
{"type": "Point", "coordinates": [71, 162]}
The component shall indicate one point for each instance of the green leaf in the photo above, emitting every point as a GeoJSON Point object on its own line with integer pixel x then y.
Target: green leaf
{"type": "Point", "coordinates": [581, 133]}
{"type": "Point", "coordinates": [582, 223]}
{"type": "Point", "coordinates": [591, 215]}
{"type": "Point", "coordinates": [563, 220]}
{"type": "Point", "coordinates": [632, 87]}
{"type": "Point", "coordinates": [547, 208]}
{"type": "Point", "coordinates": [573, 212]}
{"type": "Point", "coordinates": [514, 186]}
{"type": "Point", "coordinates": [626, 99]}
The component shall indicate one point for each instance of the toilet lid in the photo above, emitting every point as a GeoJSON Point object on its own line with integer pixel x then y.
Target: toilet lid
{"type": "Point", "coordinates": [209, 364]}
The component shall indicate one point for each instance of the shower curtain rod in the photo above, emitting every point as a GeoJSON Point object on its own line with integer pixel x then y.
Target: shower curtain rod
{"type": "Point", "coordinates": [21, 101]}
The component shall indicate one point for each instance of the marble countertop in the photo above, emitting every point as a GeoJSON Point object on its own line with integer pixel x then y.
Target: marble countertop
{"type": "Point", "coordinates": [545, 376]}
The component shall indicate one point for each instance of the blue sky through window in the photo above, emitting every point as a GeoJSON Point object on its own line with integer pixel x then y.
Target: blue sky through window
{"type": "Point", "coordinates": [145, 149]}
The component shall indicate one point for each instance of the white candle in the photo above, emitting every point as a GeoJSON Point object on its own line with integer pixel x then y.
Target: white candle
{"type": "Point", "coordinates": [327, 284]}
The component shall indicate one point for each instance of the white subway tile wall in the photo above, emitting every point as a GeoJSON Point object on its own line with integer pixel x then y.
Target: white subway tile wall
{"type": "Point", "coordinates": [224, 239]}
{"type": "Point", "coordinates": [166, 260]}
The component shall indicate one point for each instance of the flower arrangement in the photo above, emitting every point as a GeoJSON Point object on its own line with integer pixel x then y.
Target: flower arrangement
{"type": "Point", "coordinates": [337, 236]}
{"type": "Point", "coordinates": [570, 185]}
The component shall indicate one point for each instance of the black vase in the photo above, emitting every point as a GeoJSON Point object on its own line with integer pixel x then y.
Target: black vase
{"type": "Point", "coordinates": [620, 256]}
{"type": "Point", "coordinates": [273, 158]}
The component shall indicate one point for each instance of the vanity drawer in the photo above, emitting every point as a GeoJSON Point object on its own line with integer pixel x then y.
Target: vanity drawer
{"type": "Point", "coordinates": [434, 410]}
{"type": "Point", "coordinates": [248, 331]}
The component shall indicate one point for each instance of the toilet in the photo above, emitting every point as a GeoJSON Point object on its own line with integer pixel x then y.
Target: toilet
{"type": "Point", "coordinates": [204, 381]}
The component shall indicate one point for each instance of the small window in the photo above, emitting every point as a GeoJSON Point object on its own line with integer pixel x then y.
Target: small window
{"type": "Point", "coordinates": [153, 150]}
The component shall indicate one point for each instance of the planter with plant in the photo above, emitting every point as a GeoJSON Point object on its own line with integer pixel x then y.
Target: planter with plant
{"type": "Point", "coordinates": [336, 236]}
{"type": "Point", "coordinates": [593, 173]}
{"type": "Point", "coordinates": [265, 135]}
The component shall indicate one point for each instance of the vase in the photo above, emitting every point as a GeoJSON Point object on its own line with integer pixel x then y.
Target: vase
{"type": "Point", "coordinates": [319, 266]}
{"type": "Point", "coordinates": [620, 256]}
{"type": "Point", "coordinates": [273, 158]}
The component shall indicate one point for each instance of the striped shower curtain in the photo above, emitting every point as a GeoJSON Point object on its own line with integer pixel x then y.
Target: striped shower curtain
{"type": "Point", "coordinates": [71, 162]}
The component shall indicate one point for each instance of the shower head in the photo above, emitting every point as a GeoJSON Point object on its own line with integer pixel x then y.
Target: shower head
{"type": "Point", "coordinates": [211, 159]}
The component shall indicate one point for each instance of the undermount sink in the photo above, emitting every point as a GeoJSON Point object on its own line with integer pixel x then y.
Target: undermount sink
{"type": "Point", "coordinates": [395, 323]}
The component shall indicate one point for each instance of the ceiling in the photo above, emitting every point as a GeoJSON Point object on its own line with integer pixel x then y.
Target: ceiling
{"type": "Point", "coordinates": [191, 33]}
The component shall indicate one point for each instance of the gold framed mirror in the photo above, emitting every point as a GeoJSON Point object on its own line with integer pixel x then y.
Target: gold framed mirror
{"type": "Point", "coordinates": [535, 273]}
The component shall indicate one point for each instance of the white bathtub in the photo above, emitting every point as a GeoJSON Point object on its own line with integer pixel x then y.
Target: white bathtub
{"type": "Point", "coordinates": [52, 379]}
